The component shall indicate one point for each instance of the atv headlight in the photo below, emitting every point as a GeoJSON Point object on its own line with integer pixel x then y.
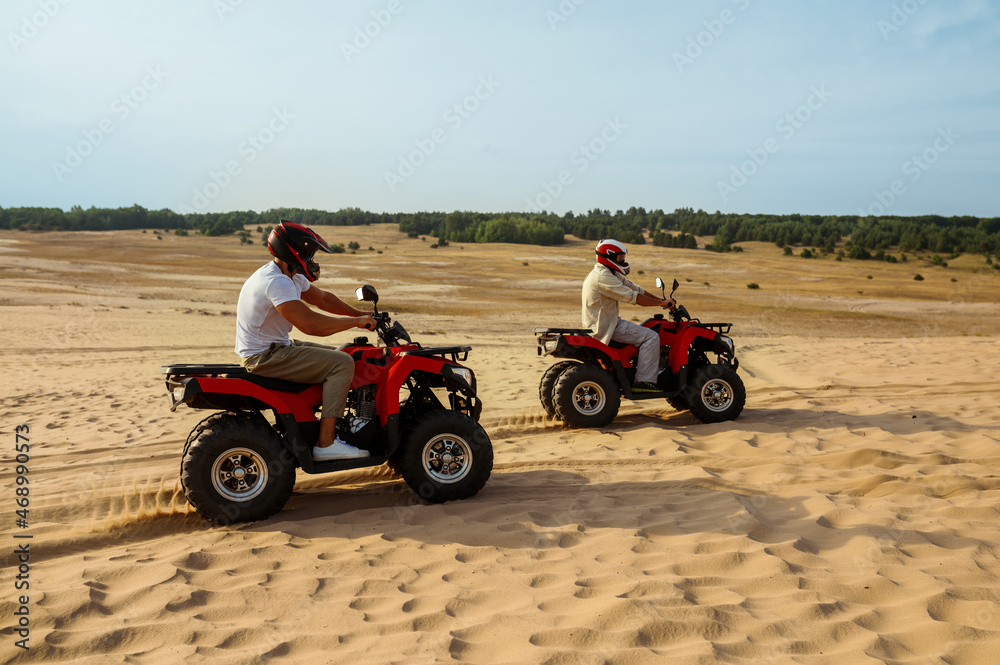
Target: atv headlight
{"type": "Point", "coordinates": [179, 393]}
{"type": "Point", "coordinates": [463, 372]}
{"type": "Point", "coordinates": [550, 345]}
{"type": "Point", "coordinates": [725, 345]}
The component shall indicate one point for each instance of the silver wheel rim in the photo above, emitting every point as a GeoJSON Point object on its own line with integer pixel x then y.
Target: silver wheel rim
{"type": "Point", "coordinates": [239, 474]}
{"type": "Point", "coordinates": [717, 395]}
{"type": "Point", "coordinates": [588, 398]}
{"type": "Point", "coordinates": [447, 458]}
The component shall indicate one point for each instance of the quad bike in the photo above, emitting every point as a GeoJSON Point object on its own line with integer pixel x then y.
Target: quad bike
{"type": "Point", "coordinates": [586, 389]}
{"type": "Point", "coordinates": [239, 466]}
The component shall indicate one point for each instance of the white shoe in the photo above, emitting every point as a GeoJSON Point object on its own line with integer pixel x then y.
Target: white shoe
{"type": "Point", "coordinates": [339, 450]}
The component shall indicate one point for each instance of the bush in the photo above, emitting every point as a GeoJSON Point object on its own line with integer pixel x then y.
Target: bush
{"type": "Point", "coordinates": [788, 251]}
{"type": "Point", "coordinates": [859, 253]}
{"type": "Point", "coordinates": [338, 248]}
{"type": "Point", "coordinates": [918, 277]}
{"type": "Point", "coordinates": [806, 254]}
{"type": "Point", "coordinates": [353, 245]}
{"type": "Point", "coordinates": [753, 286]}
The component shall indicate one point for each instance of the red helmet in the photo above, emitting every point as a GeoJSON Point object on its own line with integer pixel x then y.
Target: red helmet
{"type": "Point", "coordinates": [296, 245]}
{"type": "Point", "coordinates": [611, 253]}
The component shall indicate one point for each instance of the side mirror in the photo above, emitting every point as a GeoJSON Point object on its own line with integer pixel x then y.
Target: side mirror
{"type": "Point", "coordinates": [367, 293]}
{"type": "Point", "coordinates": [659, 283]}
{"type": "Point", "coordinates": [676, 284]}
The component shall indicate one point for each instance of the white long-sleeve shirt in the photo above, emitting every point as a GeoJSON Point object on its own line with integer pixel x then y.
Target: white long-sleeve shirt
{"type": "Point", "coordinates": [602, 291]}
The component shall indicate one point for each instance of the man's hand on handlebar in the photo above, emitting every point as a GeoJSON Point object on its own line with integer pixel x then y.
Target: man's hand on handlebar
{"type": "Point", "coordinates": [367, 322]}
{"type": "Point", "coordinates": [669, 303]}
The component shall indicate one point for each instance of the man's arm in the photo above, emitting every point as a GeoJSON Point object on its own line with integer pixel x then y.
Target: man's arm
{"type": "Point", "coordinates": [328, 302]}
{"type": "Point", "coordinates": [646, 300]}
{"type": "Point", "coordinates": [313, 323]}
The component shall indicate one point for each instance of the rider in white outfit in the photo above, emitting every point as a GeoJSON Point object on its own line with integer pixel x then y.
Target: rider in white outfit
{"type": "Point", "coordinates": [603, 289]}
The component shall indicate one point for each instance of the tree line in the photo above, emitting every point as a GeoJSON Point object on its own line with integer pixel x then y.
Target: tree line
{"type": "Point", "coordinates": [860, 237]}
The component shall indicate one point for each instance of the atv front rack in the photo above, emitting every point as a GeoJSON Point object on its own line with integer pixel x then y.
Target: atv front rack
{"type": "Point", "coordinates": [459, 354]}
{"type": "Point", "coordinates": [720, 327]}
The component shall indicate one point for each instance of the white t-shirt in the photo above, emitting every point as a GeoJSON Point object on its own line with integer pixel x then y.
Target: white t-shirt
{"type": "Point", "coordinates": [258, 323]}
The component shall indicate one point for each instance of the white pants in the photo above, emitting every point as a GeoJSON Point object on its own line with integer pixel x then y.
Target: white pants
{"type": "Point", "coordinates": [648, 342]}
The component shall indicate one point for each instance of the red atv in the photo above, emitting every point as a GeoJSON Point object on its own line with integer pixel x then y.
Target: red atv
{"type": "Point", "coordinates": [412, 408]}
{"type": "Point", "coordinates": [586, 390]}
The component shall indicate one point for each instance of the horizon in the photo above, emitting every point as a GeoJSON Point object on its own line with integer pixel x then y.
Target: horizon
{"type": "Point", "coordinates": [849, 109]}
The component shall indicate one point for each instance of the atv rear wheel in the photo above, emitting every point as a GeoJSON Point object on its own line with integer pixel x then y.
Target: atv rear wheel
{"type": "Point", "coordinates": [716, 394]}
{"type": "Point", "coordinates": [548, 384]}
{"type": "Point", "coordinates": [586, 396]}
{"type": "Point", "coordinates": [445, 456]}
{"type": "Point", "coordinates": [237, 470]}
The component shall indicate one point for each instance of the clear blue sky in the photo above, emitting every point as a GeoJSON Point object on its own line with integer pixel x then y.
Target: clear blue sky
{"type": "Point", "coordinates": [736, 105]}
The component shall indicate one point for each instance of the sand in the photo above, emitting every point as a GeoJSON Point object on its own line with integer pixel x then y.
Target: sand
{"type": "Point", "coordinates": [850, 515]}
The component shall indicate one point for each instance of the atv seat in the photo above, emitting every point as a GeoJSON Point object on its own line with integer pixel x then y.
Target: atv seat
{"type": "Point", "coordinates": [269, 382]}
{"type": "Point", "coordinates": [232, 371]}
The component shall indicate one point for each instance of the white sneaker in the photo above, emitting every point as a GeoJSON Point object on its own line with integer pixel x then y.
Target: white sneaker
{"type": "Point", "coordinates": [339, 450]}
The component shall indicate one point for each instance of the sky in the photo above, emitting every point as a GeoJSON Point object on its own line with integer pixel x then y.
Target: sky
{"type": "Point", "coordinates": [811, 106]}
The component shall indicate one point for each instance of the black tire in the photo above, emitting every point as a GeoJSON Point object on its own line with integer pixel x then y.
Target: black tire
{"type": "Point", "coordinates": [679, 402]}
{"type": "Point", "coordinates": [445, 456]}
{"type": "Point", "coordinates": [548, 384]}
{"type": "Point", "coordinates": [586, 396]}
{"type": "Point", "coordinates": [715, 394]}
{"type": "Point", "coordinates": [202, 425]}
{"type": "Point", "coordinates": [237, 470]}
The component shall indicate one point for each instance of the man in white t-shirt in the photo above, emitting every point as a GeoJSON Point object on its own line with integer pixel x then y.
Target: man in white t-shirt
{"type": "Point", "coordinates": [273, 301]}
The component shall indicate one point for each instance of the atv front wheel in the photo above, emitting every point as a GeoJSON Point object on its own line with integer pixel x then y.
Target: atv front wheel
{"type": "Point", "coordinates": [586, 396]}
{"type": "Point", "coordinates": [237, 470]}
{"type": "Point", "coordinates": [548, 384]}
{"type": "Point", "coordinates": [715, 394]}
{"type": "Point", "coordinates": [445, 456]}
{"type": "Point", "coordinates": [679, 402]}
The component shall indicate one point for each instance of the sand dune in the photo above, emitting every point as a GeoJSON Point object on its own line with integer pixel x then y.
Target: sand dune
{"type": "Point", "coordinates": [850, 515]}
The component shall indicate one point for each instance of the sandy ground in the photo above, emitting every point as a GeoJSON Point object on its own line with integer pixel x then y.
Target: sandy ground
{"type": "Point", "coordinates": [850, 515]}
